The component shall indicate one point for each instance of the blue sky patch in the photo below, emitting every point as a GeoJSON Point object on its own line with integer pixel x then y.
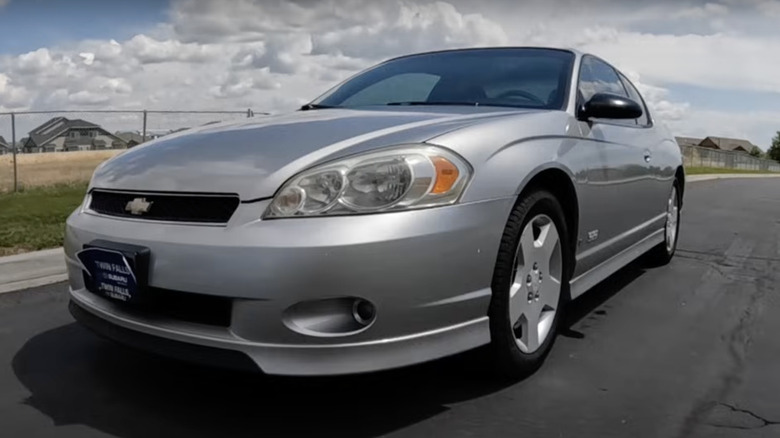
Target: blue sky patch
{"type": "Point", "coordinates": [27, 25]}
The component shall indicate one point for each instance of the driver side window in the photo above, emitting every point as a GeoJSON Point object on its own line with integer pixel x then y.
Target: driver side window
{"type": "Point", "coordinates": [634, 95]}
{"type": "Point", "coordinates": [598, 77]}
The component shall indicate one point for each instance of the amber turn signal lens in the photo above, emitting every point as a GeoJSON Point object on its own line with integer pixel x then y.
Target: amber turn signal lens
{"type": "Point", "coordinates": [446, 175]}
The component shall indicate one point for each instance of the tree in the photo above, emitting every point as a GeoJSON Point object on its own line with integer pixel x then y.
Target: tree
{"type": "Point", "coordinates": [756, 152]}
{"type": "Point", "coordinates": [774, 150]}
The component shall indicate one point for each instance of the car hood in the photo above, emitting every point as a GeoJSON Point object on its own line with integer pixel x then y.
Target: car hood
{"type": "Point", "coordinates": [253, 158]}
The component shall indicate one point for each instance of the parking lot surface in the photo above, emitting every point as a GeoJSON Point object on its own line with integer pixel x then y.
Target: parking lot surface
{"type": "Point", "coordinates": [689, 349]}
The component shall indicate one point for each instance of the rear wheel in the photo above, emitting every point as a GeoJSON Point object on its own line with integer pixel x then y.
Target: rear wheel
{"type": "Point", "coordinates": [663, 253]}
{"type": "Point", "coordinates": [530, 284]}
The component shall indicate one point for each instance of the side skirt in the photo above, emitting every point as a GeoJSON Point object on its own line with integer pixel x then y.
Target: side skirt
{"type": "Point", "coordinates": [584, 282]}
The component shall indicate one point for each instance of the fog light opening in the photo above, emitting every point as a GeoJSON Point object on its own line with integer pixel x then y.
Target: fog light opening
{"type": "Point", "coordinates": [363, 311]}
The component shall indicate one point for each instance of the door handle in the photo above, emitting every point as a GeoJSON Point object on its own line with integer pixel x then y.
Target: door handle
{"type": "Point", "coordinates": [648, 156]}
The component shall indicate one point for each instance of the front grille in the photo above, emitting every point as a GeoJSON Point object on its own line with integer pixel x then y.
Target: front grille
{"type": "Point", "coordinates": [184, 306]}
{"type": "Point", "coordinates": [173, 207]}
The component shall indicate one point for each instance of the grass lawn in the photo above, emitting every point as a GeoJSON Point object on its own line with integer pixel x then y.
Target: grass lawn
{"type": "Point", "coordinates": [708, 170]}
{"type": "Point", "coordinates": [35, 218]}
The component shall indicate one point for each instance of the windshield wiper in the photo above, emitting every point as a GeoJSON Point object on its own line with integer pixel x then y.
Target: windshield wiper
{"type": "Point", "coordinates": [501, 105]}
{"type": "Point", "coordinates": [421, 102]}
{"type": "Point", "coordinates": [315, 106]}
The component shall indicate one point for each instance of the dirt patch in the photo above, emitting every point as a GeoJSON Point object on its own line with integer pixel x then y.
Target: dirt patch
{"type": "Point", "coordinates": [48, 169]}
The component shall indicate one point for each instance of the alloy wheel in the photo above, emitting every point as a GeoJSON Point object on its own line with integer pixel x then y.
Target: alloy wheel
{"type": "Point", "coordinates": [535, 290]}
{"type": "Point", "coordinates": [672, 217]}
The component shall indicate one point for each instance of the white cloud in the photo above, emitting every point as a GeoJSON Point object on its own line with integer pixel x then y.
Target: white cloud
{"type": "Point", "coordinates": [718, 60]}
{"type": "Point", "coordinates": [148, 50]}
{"type": "Point", "coordinates": [34, 62]}
{"type": "Point", "coordinates": [768, 7]}
{"type": "Point", "coordinates": [282, 53]}
{"type": "Point", "coordinates": [88, 57]}
{"type": "Point", "coordinates": [239, 83]}
{"type": "Point", "coordinates": [410, 27]}
{"type": "Point", "coordinates": [237, 20]}
{"type": "Point", "coordinates": [85, 97]}
{"type": "Point", "coordinates": [707, 10]}
{"type": "Point", "coordinates": [11, 96]}
{"type": "Point", "coordinates": [248, 53]}
{"type": "Point", "coordinates": [771, 8]}
{"type": "Point", "coordinates": [108, 51]}
{"type": "Point", "coordinates": [273, 55]}
{"type": "Point", "coordinates": [4, 2]}
{"type": "Point", "coordinates": [657, 99]}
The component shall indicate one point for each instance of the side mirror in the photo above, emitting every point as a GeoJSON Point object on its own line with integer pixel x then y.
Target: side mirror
{"type": "Point", "coordinates": [609, 106]}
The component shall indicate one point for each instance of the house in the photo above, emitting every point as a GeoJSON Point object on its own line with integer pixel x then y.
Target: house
{"type": "Point", "coordinates": [131, 138]}
{"type": "Point", "coordinates": [720, 143]}
{"type": "Point", "coordinates": [688, 141]}
{"type": "Point", "coordinates": [5, 148]}
{"type": "Point", "coordinates": [60, 134]}
{"type": "Point", "coordinates": [155, 134]}
{"type": "Point", "coordinates": [727, 144]}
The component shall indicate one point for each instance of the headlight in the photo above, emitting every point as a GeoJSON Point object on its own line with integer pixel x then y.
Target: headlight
{"type": "Point", "coordinates": [400, 178]}
{"type": "Point", "coordinates": [85, 203]}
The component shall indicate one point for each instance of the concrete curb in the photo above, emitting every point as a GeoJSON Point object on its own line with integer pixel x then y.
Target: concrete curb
{"type": "Point", "coordinates": [35, 269]}
{"type": "Point", "coordinates": [26, 256]}
{"type": "Point", "coordinates": [697, 178]}
{"type": "Point", "coordinates": [32, 283]}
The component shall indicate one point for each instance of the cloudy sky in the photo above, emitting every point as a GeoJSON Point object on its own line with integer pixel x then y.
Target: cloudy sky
{"type": "Point", "coordinates": [706, 68]}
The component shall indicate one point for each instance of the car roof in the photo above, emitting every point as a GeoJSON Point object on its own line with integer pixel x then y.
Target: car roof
{"type": "Point", "coordinates": [576, 52]}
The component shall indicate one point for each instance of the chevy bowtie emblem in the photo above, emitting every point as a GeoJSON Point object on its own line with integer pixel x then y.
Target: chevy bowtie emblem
{"type": "Point", "coordinates": [139, 206]}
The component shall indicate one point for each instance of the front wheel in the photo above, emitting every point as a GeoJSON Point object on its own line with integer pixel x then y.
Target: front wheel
{"type": "Point", "coordinates": [530, 284]}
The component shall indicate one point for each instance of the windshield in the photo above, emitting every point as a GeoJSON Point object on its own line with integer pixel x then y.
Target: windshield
{"type": "Point", "coordinates": [525, 78]}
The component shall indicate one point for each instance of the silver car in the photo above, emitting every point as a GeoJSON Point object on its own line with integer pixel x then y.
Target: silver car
{"type": "Point", "coordinates": [429, 205]}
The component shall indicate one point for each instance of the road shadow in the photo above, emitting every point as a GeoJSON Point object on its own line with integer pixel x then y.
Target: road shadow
{"type": "Point", "coordinates": [590, 304]}
{"type": "Point", "coordinates": [75, 377]}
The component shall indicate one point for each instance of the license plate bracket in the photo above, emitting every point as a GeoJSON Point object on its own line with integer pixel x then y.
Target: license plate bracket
{"type": "Point", "coordinates": [117, 271]}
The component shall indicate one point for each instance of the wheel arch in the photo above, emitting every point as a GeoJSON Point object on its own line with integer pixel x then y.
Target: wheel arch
{"type": "Point", "coordinates": [680, 176]}
{"type": "Point", "coordinates": [559, 182]}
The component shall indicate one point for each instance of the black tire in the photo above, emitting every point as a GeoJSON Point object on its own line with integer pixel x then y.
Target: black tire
{"type": "Point", "coordinates": [661, 255]}
{"type": "Point", "coordinates": [508, 360]}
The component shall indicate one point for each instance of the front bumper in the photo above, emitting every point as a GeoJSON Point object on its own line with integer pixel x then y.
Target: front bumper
{"type": "Point", "coordinates": [428, 273]}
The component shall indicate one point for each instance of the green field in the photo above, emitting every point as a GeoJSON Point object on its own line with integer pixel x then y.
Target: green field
{"type": "Point", "coordinates": [35, 218]}
{"type": "Point", "coordinates": [710, 170]}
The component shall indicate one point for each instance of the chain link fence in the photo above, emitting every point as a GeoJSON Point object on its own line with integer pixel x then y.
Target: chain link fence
{"type": "Point", "coordinates": [695, 156]}
{"type": "Point", "coordinates": [40, 148]}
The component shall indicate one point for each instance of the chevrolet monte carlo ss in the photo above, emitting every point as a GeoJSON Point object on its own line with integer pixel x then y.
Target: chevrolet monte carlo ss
{"type": "Point", "coordinates": [429, 205]}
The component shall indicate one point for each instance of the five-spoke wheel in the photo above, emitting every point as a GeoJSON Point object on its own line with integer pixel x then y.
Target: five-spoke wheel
{"type": "Point", "coordinates": [536, 284]}
{"type": "Point", "coordinates": [530, 284]}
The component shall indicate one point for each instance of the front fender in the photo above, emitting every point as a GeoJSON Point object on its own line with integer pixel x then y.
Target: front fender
{"type": "Point", "coordinates": [506, 154]}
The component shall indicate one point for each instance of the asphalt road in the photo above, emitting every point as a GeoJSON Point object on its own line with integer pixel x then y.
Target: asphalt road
{"type": "Point", "coordinates": [689, 349]}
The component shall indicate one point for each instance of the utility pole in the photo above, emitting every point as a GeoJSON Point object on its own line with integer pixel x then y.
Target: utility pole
{"type": "Point", "coordinates": [13, 148]}
{"type": "Point", "coordinates": [143, 139]}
